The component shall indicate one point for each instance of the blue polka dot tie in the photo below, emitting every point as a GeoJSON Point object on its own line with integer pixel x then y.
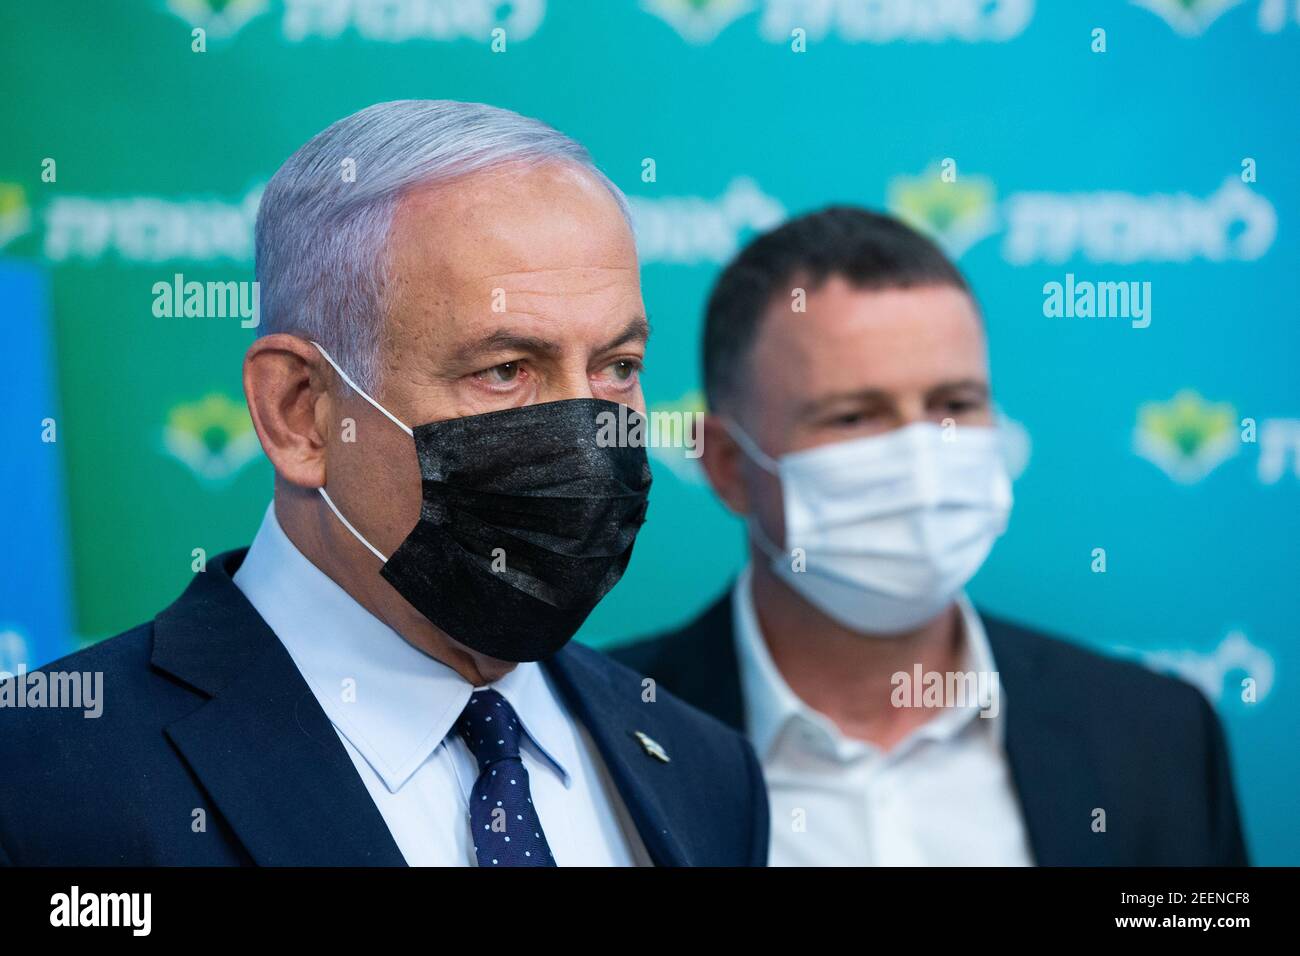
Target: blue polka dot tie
{"type": "Point", "coordinates": [507, 831]}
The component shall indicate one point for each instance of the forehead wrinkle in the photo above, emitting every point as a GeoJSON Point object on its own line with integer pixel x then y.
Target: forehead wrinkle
{"type": "Point", "coordinates": [603, 291]}
{"type": "Point", "coordinates": [542, 282]}
{"type": "Point", "coordinates": [533, 283]}
{"type": "Point", "coordinates": [530, 272]}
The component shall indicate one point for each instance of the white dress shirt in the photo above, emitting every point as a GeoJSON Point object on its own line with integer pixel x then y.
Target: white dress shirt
{"type": "Point", "coordinates": [393, 707]}
{"type": "Point", "coordinates": [941, 796]}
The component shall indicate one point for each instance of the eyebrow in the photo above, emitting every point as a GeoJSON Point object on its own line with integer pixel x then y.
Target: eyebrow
{"type": "Point", "coordinates": [637, 330]}
{"type": "Point", "coordinates": [815, 405]}
{"type": "Point", "coordinates": [812, 406]}
{"type": "Point", "coordinates": [973, 384]}
{"type": "Point", "coordinates": [504, 340]}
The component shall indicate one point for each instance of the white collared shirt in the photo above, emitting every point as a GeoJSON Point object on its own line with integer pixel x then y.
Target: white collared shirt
{"type": "Point", "coordinates": [393, 707]}
{"type": "Point", "coordinates": [942, 796]}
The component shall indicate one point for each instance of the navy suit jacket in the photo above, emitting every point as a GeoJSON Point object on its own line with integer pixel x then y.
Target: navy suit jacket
{"type": "Point", "coordinates": [204, 710]}
{"type": "Point", "coordinates": [1083, 731]}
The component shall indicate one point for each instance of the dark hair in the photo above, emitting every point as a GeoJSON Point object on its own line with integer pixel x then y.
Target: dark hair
{"type": "Point", "coordinates": [869, 249]}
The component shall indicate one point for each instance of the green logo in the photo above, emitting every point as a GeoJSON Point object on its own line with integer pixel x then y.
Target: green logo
{"type": "Point", "coordinates": [1187, 437]}
{"type": "Point", "coordinates": [680, 417]}
{"type": "Point", "coordinates": [213, 436]}
{"type": "Point", "coordinates": [955, 214]}
{"type": "Point", "coordinates": [15, 214]}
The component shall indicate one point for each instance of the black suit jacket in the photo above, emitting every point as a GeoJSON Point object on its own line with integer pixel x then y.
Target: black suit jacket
{"type": "Point", "coordinates": [204, 710]}
{"type": "Point", "coordinates": [1082, 731]}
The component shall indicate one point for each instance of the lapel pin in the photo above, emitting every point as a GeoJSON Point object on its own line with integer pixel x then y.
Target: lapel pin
{"type": "Point", "coordinates": [651, 746]}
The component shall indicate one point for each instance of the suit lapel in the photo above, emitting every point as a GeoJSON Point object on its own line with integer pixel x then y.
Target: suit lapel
{"type": "Point", "coordinates": [261, 746]}
{"type": "Point", "coordinates": [612, 717]}
{"type": "Point", "coordinates": [1053, 771]}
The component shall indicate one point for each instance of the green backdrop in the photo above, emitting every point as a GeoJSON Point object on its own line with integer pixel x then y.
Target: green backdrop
{"type": "Point", "coordinates": [1122, 164]}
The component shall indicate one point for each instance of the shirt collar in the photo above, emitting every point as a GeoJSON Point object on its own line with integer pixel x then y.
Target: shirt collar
{"type": "Point", "coordinates": [771, 706]}
{"type": "Point", "coordinates": [393, 703]}
{"type": "Point", "coordinates": [977, 658]}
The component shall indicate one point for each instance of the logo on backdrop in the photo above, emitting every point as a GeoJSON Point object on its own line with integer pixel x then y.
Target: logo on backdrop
{"type": "Point", "coordinates": [679, 460]}
{"type": "Point", "coordinates": [380, 21]}
{"type": "Point", "coordinates": [15, 214]}
{"type": "Point", "coordinates": [218, 18]}
{"type": "Point", "coordinates": [685, 230]}
{"type": "Point", "coordinates": [680, 230]}
{"type": "Point", "coordinates": [850, 21]}
{"type": "Point", "coordinates": [1191, 18]}
{"type": "Point", "coordinates": [1188, 17]}
{"type": "Point", "coordinates": [151, 228]}
{"type": "Point", "coordinates": [1188, 437]}
{"type": "Point", "coordinates": [957, 214]}
{"type": "Point", "coordinates": [698, 21]}
{"type": "Point", "coordinates": [1209, 670]}
{"type": "Point", "coordinates": [213, 437]}
{"type": "Point", "coordinates": [1232, 223]}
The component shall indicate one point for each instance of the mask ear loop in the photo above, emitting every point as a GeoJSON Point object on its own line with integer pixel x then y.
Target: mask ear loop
{"type": "Point", "coordinates": [750, 447]}
{"type": "Point", "coordinates": [767, 463]}
{"type": "Point", "coordinates": [387, 414]}
{"type": "Point", "coordinates": [348, 524]}
{"type": "Point", "coordinates": [766, 544]}
{"type": "Point", "coordinates": [357, 388]}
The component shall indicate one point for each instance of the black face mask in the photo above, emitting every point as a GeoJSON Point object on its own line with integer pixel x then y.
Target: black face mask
{"type": "Point", "coordinates": [526, 523]}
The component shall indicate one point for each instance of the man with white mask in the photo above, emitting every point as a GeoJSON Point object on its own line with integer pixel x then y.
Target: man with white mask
{"type": "Point", "coordinates": [851, 425]}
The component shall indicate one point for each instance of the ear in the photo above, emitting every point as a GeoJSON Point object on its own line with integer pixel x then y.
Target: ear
{"type": "Point", "coordinates": [723, 462]}
{"type": "Point", "coordinates": [285, 388]}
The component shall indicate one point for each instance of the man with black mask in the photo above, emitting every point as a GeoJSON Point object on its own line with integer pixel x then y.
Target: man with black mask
{"type": "Point", "coordinates": [451, 308]}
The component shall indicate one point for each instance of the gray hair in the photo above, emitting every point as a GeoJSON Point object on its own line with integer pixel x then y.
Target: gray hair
{"type": "Point", "coordinates": [322, 257]}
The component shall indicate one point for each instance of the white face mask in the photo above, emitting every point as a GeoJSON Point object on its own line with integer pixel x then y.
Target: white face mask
{"type": "Point", "coordinates": [892, 526]}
